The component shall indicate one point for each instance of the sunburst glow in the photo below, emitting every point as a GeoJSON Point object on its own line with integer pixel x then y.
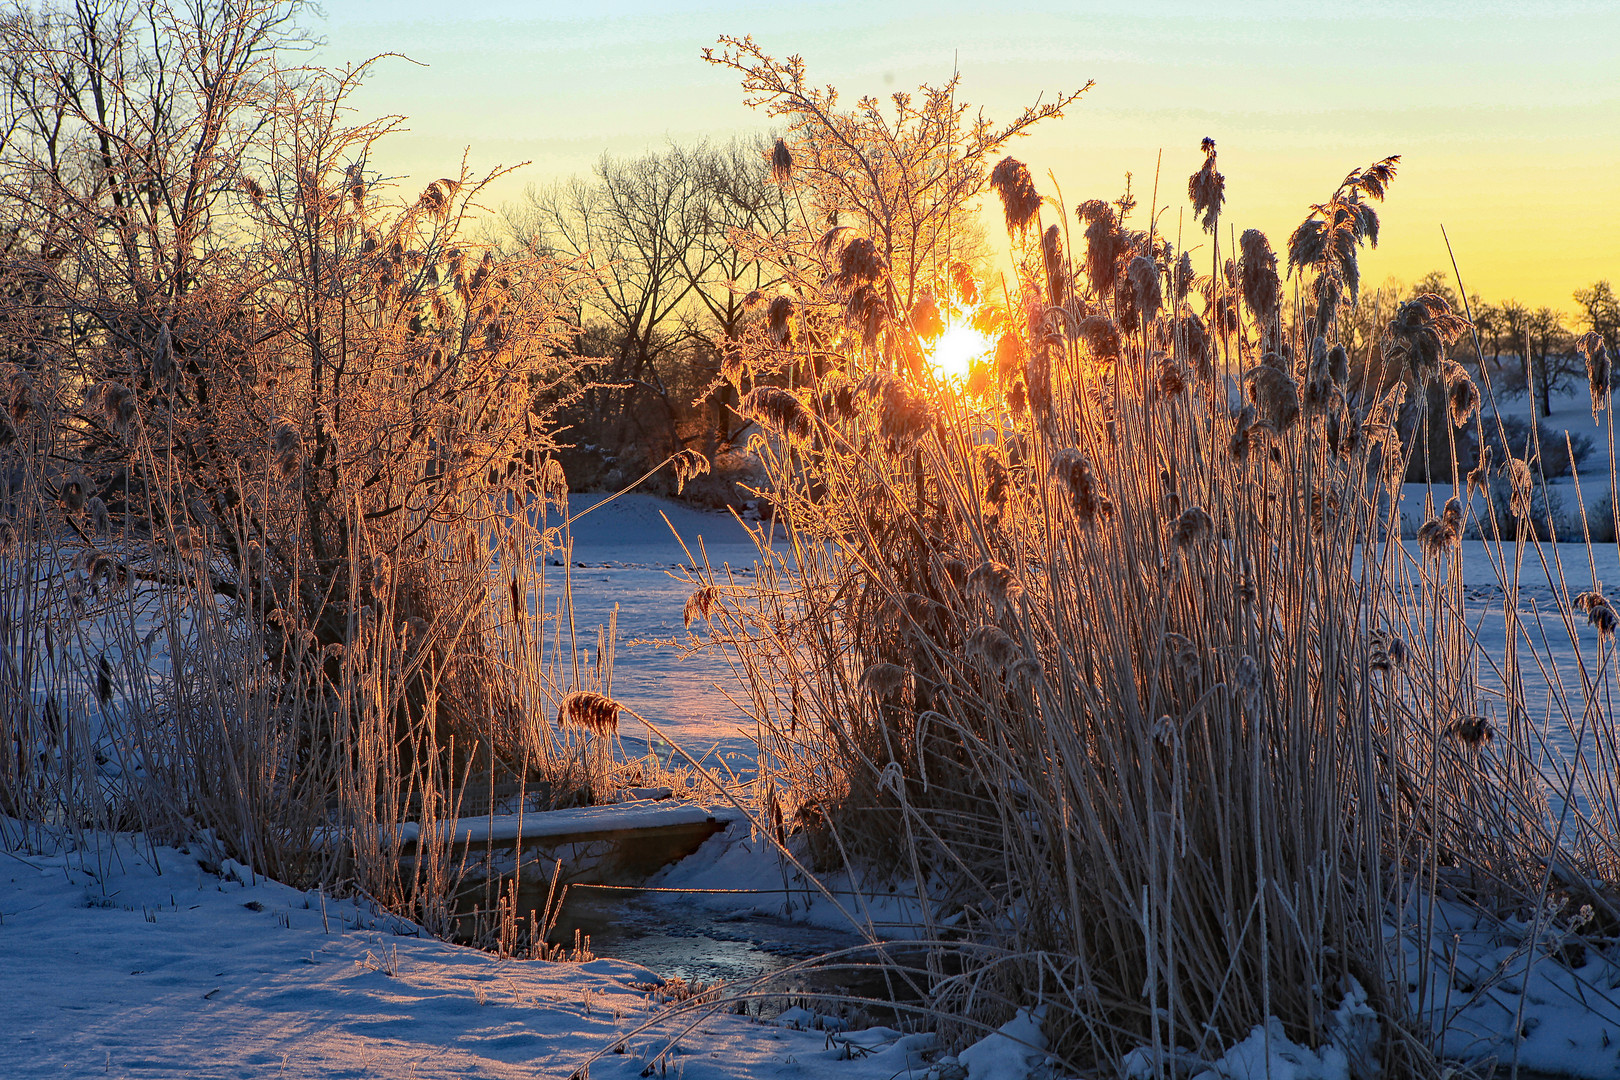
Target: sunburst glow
{"type": "Point", "coordinates": [956, 350]}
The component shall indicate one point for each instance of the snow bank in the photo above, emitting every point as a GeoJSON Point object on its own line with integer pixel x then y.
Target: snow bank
{"type": "Point", "coordinates": [128, 960]}
{"type": "Point", "coordinates": [585, 821]}
{"type": "Point", "coordinates": [761, 881]}
{"type": "Point", "coordinates": [1010, 1051]}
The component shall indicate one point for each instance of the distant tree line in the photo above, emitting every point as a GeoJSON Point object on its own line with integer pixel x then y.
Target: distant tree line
{"type": "Point", "coordinates": [673, 245]}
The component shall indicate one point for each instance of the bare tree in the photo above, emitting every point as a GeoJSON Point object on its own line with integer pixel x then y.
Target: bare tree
{"type": "Point", "coordinates": [632, 225]}
{"type": "Point", "coordinates": [253, 373]}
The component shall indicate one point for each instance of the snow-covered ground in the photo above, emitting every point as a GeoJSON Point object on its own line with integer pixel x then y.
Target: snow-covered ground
{"type": "Point", "coordinates": [626, 555]}
{"type": "Point", "coordinates": [123, 960]}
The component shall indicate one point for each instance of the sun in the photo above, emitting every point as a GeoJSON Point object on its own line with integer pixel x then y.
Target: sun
{"type": "Point", "coordinates": [955, 351]}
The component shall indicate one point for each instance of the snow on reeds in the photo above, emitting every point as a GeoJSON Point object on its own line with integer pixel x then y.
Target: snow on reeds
{"type": "Point", "coordinates": [1185, 742]}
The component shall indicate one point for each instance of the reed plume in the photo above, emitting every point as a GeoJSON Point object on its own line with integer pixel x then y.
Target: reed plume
{"type": "Point", "coordinates": [1057, 277]}
{"type": "Point", "coordinates": [1257, 275]}
{"type": "Point", "coordinates": [996, 582]}
{"type": "Point", "coordinates": [1020, 202]}
{"type": "Point", "coordinates": [1461, 394]}
{"type": "Point", "coordinates": [1439, 536]}
{"type": "Point", "coordinates": [700, 604]}
{"type": "Point", "coordinates": [1101, 336]}
{"type": "Point", "coordinates": [1196, 341]}
{"type": "Point", "coordinates": [1471, 731]}
{"type": "Point", "coordinates": [1598, 611]}
{"type": "Point", "coordinates": [1420, 331]}
{"type": "Point", "coordinates": [1074, 473]}
{"type": "Point", "coordinates": [1105, 244]}
{"type": "Point", "coordinates": [781, 162]}
{"type": "Point", "coordinates": [589, 711]}
{"type": "Point", "coordinates": [1144, 278]}
{"type": "Point", "coordinates": [1206, 189]}
{"type": "Point", "coordinates": [688, 464]}
{"type": "Point", "coordinates": [778, 411]}
{"type": "Point", "coordinates": [1192, 526]}
{"type": "Point", "coordinates": [882, 679]}
{"type": "Point", "coordinates": [1275, 394]}
{"type": "Point", "coordinates": [1598, 369]}
{"type": "Point", "coordinates": [780, 319]}
{"type": "Point", "coordinates": [286, 448]}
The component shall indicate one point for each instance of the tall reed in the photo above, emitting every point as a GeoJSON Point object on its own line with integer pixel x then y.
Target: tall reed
{"type": "Point", "coordinates": [1115, 649]}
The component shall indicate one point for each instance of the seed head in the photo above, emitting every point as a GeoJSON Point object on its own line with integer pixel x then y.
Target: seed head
{"type": "Point", "coordinates": [700, 605]}
{"type": "Point", "coordinates": [1521, 486]}
{"type": "Point", "coordinates": [553, 483]}
{"type": "Point", "coordinates": [1192, 526]}
{"type": "Point", "coordinates": [1439, 536]}
{"type": "Point", "coordinates": [950, 575]}
{"type": "Point", "coordinates": [1101, 336]}
{"type": "Point", "coordinates": [993, 646]}
{"type": "Point", "coordinates": [1073, 472]}
{"type": "Point", "coordinates": [1385, 651]}
{"type": "Point", "coordinates": [1242, 427]}
{"type": "Point", "coordinates": [1057, 274]}
{"type": "Point", "coordinates": [1105, 244]}
{"type": "Point", "coordinates": [1324, 504]}
{"type": "Point", "coordinates": [1480, 475]}
{"type": "Point", "coordinates": [100, 519]}
{"type": "Point", "coordinates": [1182, 652]}
{"type": "Point", "coordinates": [286, 448]}
{"type": "Point", "coordinates": [1472, 731]}
{"type": "Point", "coordinates": [1260, 286]}
{"type": "Point", "coordinates": [104, 676]}
{"type": "Point", "coordinates": [780, 319]}
{"type": "Point", "coordinates": [781, 162]}
{"type": "Point", "coordinates": [1172, 377]}
{"type": "Point", "coordinates": [1598, 612]}
{"type": "Point", "coordinates": [967, 289]}
{"type": "Point", "coordinates": [1598, 368]}
{"type": "Point", "coordinates": [1463, 395]}
{"type": "Point", "coordinates": [1206, 188]}
{"type": "Point", "coordinates": [688, 465]}
{"type": "Point", "coordinates": [163, 353]}
{"type": "Point", "coordinates": [882, 679]}
{"type": "Point", "coordinates": [1010, 358]}
{"type": "Point", "coordinates": [1020, 202]}
{"type": "Point", "coordinates": [996, 477]}
{"type": "Point", "coordinates": [925, 321]}
{"type": "Point", "coordinates": [1247, 681]}
{"type": "Point", "coordinates": [779, 411]}
{"type": "Point", "coordinates": [995, 582]}
{"type": "Point", "coordinates": [590, 711]}
{"type": "Point", "coordinates": [75, 492]}
{"type": "Point", "coordinates": [1144, 278]}
{"type": "Point", "coordinates": [859, 264]}
{"type": "Point", "coordinates": [1422, 328]}
{"type": "Point", "coordinates": [1195, 337]}
{"type": "Point", "coordinates": [903, 414]}
{"type": "Point", "coordinates": [866, 310]}
{"type": "Point", "coordinates": [1275, 394]}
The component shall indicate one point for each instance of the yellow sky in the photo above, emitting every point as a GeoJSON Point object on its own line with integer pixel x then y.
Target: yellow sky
{"type": "Point", "coordinates": [1507, 115]}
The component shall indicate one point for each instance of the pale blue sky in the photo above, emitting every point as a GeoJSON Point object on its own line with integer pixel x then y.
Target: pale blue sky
{"type": "Point", "coordinates": [1507, 115]}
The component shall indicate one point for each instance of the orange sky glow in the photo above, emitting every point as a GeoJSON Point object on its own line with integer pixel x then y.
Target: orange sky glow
{"type": "Point", "coordinates": [1506, 115]}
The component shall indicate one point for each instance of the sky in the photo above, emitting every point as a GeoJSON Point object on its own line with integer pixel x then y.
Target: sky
{"type": "Point", "coordinates": [1506, 115]}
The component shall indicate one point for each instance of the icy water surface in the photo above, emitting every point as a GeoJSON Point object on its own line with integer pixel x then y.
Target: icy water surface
{"type": "Point", "coordinates": [627, 558]}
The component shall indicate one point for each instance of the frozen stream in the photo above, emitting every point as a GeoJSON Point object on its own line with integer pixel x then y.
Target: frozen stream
{"type": "Point", "coordinates": [626, 557]}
